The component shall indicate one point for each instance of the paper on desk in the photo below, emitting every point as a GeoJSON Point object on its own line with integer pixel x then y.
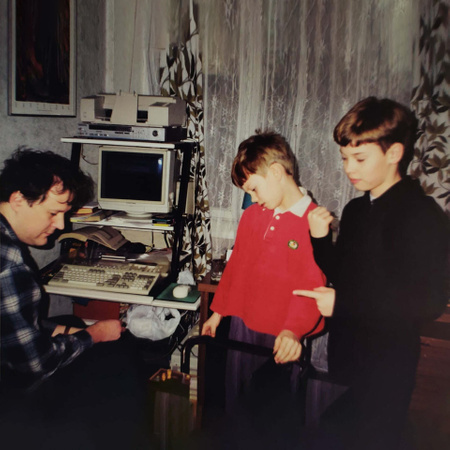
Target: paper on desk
{"type": "Point", "coordinates": [120, 219]}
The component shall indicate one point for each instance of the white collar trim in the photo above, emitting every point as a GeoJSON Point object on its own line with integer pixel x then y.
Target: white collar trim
{"type": "Point", "coordinates": [300, 207]}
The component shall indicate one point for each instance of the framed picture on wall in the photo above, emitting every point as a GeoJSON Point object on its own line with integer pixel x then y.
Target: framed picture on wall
{"type": "Point", "coordinates": [42, 72]}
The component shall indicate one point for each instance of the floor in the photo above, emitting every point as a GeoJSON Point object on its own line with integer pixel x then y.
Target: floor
{"type": "Point", "coordinates": [430, 404]}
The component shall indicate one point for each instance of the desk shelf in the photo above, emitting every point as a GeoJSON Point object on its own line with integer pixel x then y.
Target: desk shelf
{"type": "Point", "coordinates": [116, 220]}
{"type": "Point", "coordinates": [121, 298]}
{"type": "Point", "coordinates": [122, 142]}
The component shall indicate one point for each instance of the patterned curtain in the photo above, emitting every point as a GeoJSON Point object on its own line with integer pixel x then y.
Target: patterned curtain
{"type": "Point", "coordinates": [431, 102]}
{"type": "Point", "coordinates": [181, 76]}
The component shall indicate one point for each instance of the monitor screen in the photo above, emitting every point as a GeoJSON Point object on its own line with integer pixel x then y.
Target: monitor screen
{"type": "Point", "coordinates": [139, 181]}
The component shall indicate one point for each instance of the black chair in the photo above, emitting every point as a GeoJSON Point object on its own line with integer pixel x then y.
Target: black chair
{"type": "Point", "coordinates": [230, 344]}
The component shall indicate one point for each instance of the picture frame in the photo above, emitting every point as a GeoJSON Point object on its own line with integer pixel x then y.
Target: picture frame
{"type": "Point", "coordinates": [42, 54]}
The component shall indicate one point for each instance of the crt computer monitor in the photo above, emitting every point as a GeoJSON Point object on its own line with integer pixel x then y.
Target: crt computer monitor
{"type": "Point", "coordinates": [139, 181]}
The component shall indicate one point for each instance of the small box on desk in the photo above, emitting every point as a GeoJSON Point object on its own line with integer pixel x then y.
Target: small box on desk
{"type": "Point", "coordinates": [97, 310]}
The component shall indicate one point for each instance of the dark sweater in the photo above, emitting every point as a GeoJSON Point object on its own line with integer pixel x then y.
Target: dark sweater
{"type": "Point", "coordinates": [389, 268]}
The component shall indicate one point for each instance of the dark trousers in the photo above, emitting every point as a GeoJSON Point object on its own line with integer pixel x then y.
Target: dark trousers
{"type": "Point", "coordinates": [372, 412]}
{"type": "Point", "coordinates": [263, 404]}
{"type": "Point", "coordinates": [99, 401]}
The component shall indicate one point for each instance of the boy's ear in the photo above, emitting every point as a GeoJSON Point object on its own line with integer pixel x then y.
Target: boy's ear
{"type": "Point", "coordinates": [395, 153]}
{"type": "Point", "coordinates": [277, 169]}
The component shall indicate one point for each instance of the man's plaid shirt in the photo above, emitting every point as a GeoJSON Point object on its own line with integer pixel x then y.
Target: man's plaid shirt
{"type": "Point", "coordinates": [28, 353]}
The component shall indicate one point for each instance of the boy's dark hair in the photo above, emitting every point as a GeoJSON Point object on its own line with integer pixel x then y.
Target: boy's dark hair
{"type": "Point", "coordinates": [258, 152]}
{"type": "Point", "coordinates": [380, 121]}
{"type": "Point", "coordinates": [35, 172]}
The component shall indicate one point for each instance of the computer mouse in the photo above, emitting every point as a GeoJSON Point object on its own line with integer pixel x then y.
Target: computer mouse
{"type": "Point", "coordinates": [181, 291]}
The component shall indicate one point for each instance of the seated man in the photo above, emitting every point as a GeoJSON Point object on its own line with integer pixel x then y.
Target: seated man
{"type": "Point", "coordinates": [40, 383]}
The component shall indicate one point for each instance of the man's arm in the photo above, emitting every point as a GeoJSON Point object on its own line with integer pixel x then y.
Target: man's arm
{"type": "Point", "coordinates": [62, 329]}
{"type": "Point", "coordinates": [27, 350]}
{"type": "Point", "coordinates": [101, 331]}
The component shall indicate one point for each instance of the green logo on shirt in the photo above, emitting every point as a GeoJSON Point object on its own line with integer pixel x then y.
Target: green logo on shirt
{"type": "Point", "coordinates": [293, 244]}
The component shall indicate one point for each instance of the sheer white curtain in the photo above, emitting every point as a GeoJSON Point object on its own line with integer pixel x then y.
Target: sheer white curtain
{"type": "Point", "coordinates": [296, 66]}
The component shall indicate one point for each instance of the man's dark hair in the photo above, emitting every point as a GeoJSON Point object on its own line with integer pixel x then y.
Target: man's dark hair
{"type": "Point", "coordinates": [380, 121]}
{"type": "Point", "coordinates": [35, 172]}
{"type": "Point", "coordinates": [258, 152]}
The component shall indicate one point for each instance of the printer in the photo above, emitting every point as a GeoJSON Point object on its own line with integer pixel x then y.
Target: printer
{"type": "Point", "coordinates": [132, 116]}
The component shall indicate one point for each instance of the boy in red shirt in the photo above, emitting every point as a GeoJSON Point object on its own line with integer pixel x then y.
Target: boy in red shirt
{"type": "Point", "coordinates": [272, 252]}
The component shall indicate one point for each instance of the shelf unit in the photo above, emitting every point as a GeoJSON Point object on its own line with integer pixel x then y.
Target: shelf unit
{"type": "Point", "coordinates": [186, 148]}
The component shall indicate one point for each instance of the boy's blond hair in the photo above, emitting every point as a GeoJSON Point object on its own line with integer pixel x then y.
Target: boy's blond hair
{"type": "Point", "coordinates": [257, 153]}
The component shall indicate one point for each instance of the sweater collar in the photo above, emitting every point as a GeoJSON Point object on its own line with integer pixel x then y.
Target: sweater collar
{"type": "Point", "coordinates": [406, 184]}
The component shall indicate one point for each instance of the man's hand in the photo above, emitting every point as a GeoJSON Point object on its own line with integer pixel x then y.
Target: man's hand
{"type": "Point", "coordinates": [324, 297]}
{"type": "Point", "coordinates": [105, 330]}
{"type": "Point", "coordinates": [287, 347]}
{"type": "Point", "coordinates": [319, 222]}
{"type": "Point", "coordinates": [210, 326]}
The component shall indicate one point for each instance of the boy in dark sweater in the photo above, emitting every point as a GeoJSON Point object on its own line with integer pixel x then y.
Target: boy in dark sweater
{"type": "Point", "coordinates": [388, 272]}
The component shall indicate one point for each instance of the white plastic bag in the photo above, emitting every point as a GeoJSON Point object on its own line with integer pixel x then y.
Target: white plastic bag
{"type": "Point", "coordinates": [186, 277]}
{"type": "Point", "coordinates": [152, 322]}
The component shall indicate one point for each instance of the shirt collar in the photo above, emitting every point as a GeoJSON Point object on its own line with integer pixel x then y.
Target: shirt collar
{"type": "Point", "coordinates": [6, 228]}
{"type": "Point", "coordinates": [300, 207]}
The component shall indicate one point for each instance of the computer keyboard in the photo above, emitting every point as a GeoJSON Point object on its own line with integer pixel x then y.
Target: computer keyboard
{"type": "Point", "coordinates": [103, 276]}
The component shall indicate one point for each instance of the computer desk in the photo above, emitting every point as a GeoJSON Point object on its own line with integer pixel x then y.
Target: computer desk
{"type": "Point", "coordinates": [119, 297]}
{"type": "Point", "coordinates": [206, 287]}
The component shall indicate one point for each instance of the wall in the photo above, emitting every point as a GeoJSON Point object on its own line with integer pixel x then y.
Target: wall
{"type": "Point", "coordinates": [45, 132]}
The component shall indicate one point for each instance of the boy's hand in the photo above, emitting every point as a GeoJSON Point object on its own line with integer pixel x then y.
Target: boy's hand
{"type": "Point", "coordinates": [287, 347]}
{"type": "Point", "coordinates": [319, 222]}
{"type": "Point", "coordinates": [210, 326]}
{"type": "Point", "coordinates": [324, 297]}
